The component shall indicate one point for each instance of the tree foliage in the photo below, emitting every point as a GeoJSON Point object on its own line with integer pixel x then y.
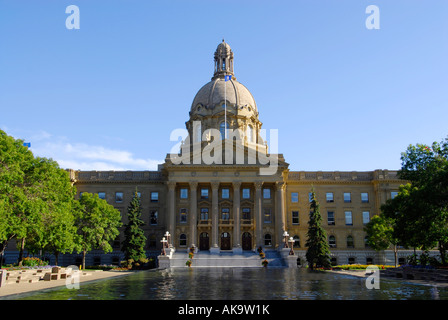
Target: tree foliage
{"type": "Point", "coordinates": [135, 240]}
{"type": "Point", "coordinates": [318, 252]}
{"type": "Point", "coordinates": [420, 210]}
{"type": "Point", "coordinates": [97, 223]}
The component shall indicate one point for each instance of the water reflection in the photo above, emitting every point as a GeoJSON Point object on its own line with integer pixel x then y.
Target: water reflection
{"type": "Point", "coordinates": [241, 284]}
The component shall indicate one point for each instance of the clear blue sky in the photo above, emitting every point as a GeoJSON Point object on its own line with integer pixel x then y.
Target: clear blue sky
{"type": "Point", "coordinates": [342, 97]}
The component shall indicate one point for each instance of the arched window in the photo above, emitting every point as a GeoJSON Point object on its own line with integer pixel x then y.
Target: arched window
{"type": "Point", "coordinates": [250, 133]}
{"type": "Point", "coordinates": [222, 129]}
{"type": "Point", "coordinates": [267, 240]}
{"type": "Point", "coordinates": [183, 240]}
{"type": "Point", "coordinates": [350, 243]}
{"type": "Point", "coordinates": [332, 241]}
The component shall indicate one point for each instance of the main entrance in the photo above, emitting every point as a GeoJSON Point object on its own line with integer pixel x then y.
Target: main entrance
{"type": "Point", "coordinates": [204, 241]}
{"type": "Point", "coordinates": [225, 241]}
{"type": "Point", "coordinates": [247, 241]}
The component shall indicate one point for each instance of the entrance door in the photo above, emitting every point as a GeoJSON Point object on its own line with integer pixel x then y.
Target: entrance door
{"type": "Point", "coordinates": [225, 241]}
{"type": "Point", "coordinates": [247, 241]}
{"type": "Point", "coordinates": [204, 242]}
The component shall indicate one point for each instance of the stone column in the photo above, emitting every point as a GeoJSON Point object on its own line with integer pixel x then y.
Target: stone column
{"type": "Point", "coordinates": [193, 214]}
{"type": "Point", "coordinates": [258, 214]}
{"type": "Point", "coordinates": [215, 217]}
{"type": "Point", "coordinates": [280, 216]}
{"type": "Point", "coordinates": [171, 210]}
{"type": "Point", "coordinates": [236, 218]}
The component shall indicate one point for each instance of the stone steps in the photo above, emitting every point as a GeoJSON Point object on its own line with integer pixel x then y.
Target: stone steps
{"type": "Point", "coordinates": [225, 259]}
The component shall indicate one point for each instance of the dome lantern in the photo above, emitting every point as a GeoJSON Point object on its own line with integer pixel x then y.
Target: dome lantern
{"type": "Point", "coordinates": [223, 61]}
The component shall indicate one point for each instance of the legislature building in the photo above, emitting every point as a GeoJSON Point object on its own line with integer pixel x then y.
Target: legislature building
{"type": "Point", "coordinates": [225, 192]}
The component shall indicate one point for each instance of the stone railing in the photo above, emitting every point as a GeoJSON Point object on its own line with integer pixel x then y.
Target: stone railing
{"type": "Point", "coordinates": [117, 176]}
{"type": "Point", "coordinates": [342, 175]}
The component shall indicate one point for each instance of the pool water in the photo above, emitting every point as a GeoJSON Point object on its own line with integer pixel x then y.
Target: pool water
{"type": "Point", "coordinates": [240, 284]}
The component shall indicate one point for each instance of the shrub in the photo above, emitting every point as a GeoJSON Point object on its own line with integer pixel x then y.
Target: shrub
{"type": "Point", "coordinates": [33, 262]}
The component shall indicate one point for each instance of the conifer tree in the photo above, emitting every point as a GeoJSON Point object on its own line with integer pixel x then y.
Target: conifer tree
{"type": "Point", "coordinates": [318, 252]}
{"type": "Point", "coordinates": [135, 240]}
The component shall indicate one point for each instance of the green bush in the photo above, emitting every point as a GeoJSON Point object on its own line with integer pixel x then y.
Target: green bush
{"type": "Point", "coordinates": [33, 262]}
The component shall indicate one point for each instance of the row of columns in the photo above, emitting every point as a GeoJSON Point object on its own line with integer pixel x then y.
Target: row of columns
{"type": "Point", "coordinates": [280, 224]}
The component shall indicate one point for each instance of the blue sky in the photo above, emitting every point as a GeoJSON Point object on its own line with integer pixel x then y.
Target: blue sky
{"type": "Point", "coordinates": [342, 97]}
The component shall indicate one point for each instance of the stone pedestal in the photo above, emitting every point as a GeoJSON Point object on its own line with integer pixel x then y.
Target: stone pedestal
{"type": "Point", "coordinates": [290, 260]}
{"type": "Point", "coordinates": [164, 262]}
{"type": "Point", "coordinates": [215, 250]}
{"type": "Point", "coordinates": [2, 278]}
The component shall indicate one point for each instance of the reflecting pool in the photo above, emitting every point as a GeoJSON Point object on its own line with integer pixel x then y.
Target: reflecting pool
{"type": "Point", "coordinates": [240, 284]}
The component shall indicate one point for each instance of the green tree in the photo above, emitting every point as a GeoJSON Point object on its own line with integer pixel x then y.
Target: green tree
{"type": "Point", "coordinates": [380, 234]}
{"type": "Point", "coordinates": [135, 240]}
{"type": "Point", "coordinates": [53, 230]}
{"type": "Point", "coordinates": [18, 208]}
{"type": "Point", "coordinates": [421, 208]}
{"type": "Point", "coordinates": [97, 223]}
{"type": "Point", "coordinates": [318, 252]}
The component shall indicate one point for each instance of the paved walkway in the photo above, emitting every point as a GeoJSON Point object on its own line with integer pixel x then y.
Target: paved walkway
{"type": "Point", "coordinates": [18, 288]}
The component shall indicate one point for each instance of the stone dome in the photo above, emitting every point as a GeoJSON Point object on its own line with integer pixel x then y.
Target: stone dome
{"type": "Point", "coordinates": [211, 96]}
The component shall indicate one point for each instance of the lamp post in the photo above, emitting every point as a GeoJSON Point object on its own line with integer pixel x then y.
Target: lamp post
{"type": "Point", "coordinates": [163, 246]}
{"type": "Point", "coordinates": [286, 235]}
{"type": "Point", "coordinates": [291, 241]}
{"type": "Point", "coordinates": [167, 235]}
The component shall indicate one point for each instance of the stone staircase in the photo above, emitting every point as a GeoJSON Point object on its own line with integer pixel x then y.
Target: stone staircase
{"type": "Point", "coordinates": [226, 259]}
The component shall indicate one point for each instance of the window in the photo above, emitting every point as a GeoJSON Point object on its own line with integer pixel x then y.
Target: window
{"type": "Point", "coordinates": [250, 133]}
{"type": "Point", "coordinates": [267, 215]}
{"type": "Point", "coordinates": [225, 213]}
{"type": "Point", "coordinates": [267, 240]}
{"type": "Point", "coordinates": [332, 241]}
{"type": "Point", "coordinates": [295, 217]}
{"type": "Point", "coordinates": [348, 218]}
{"type": "Point", "coordinates": [330, 218]}
{"type": "Point", "coordinates": [184, 193]}
{"type": "Point", "coordinates": [267, 193]}
{"type": "Point", "coordinates": [347, 197]}
{"type": "Point", "coordinates": [183, 215]}
{"type": "Point", "coordinates": [296, 241]}
{"type": "Point", "coordinates": [225, 193]}
{"type": "Point", "coordinates": [310, 197]}
{"type": "Point", "coordinates": [154, 197]}
{"type": "Point", "coordinates": [204, 193]}
{"type": "Point", "coordinates": [294, 197]}
{"type": "Point", "coordinates": [198, 131]}
{"type": "Point", "coordinates": [102, 195]}
{"type": "Point", "coordinates": [369, 260]}
{"type": "Point", "coordinates": [204, 213]}
{"type": "Point", "coordinates": [351, 260]}
{"type": "Point", "coordinates": [153, 217]}
{"type": "Point", "coordinates": [246, 193]}
{"type": "Point", "coordinates": [246, 214]}
{"type": "Point", "coordinates": [80, 195]}
{"type": "Point", "coordinates": [334, 261]}
{"type": "Point", "coordinates": [152, 241]}
{"type": "Point", "coordinates": [365, 217]}
{"type": "Point", "coordinates": [329, 197]}
{"type": "Point", "coordinates": [139, 195]}
{"type": "Point", "coordinates": [222, 129]}
{"type": "Point", "coordinates": [366, 242]}
{"type": "Point", "coordinates": [350, 243]}
{"type": "Point", "coordinates": [118, 197]}
{"type": "Point", "coordinates": [183, 240]}
{"type": "Point", "coordinates": [364, 197]}
{"type": "Point", "coordinates": [393, 194]}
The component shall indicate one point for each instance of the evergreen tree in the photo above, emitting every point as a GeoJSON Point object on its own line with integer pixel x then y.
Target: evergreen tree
{"type": "Point", "coordinates": [135, 240]}
{"type": "Point", "coordinates": [318, 252]}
